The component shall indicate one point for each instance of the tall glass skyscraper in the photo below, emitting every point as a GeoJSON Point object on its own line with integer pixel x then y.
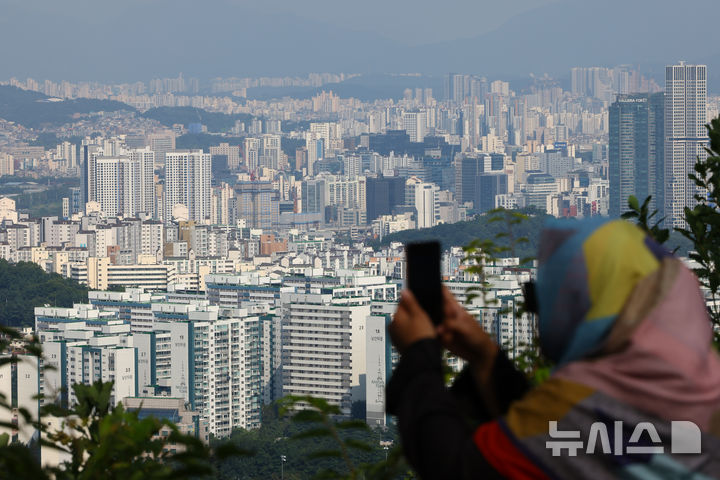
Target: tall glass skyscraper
{"type": "Point", "coordinates": [636, 159]}
{"type": "Point", "coordinates": [685, 135]}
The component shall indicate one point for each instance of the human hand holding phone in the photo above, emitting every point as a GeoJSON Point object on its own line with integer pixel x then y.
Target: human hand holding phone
{"type": "Point", "coordinates": [410, 323]}
{"type": "Point", "coordinates": [424, 277]}
{"type": "Point", "coordinates": [462, 335]}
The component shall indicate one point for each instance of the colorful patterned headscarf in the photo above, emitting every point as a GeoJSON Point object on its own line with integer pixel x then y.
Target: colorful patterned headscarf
{"type": "Point", "coordinates": [587, 271]}
{"type": "Point", "coordinates": [628, 327]}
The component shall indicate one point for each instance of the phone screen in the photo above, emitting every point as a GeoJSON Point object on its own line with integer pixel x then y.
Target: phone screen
{"type": "Point", "coordinates": [423, 277]}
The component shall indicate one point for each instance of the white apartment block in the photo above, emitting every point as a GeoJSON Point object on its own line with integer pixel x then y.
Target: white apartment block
{"type": "Point", "coordinates": [7, 164]}
{"type": "Point", "coordinates": [685, 135]}
{"type": "Point", "coordinates": [415, 124]}
{"type": "Point", "coordinates": [152, 238]}
{"type": "Point", "coordinates": [99, 274]}
{"type": "Point", "coordinates": [187, 182]}
{"type": "Point", "coordinates": [379, 368]}
{"type": "Point", "coordinates": [231, 152]}
{"type": "Point", "coordinates": [19, 384]}
{"type": "Point", "coordinates": [251, 150]}
{"type": "Point", "coordinates": [270, 152]}
{"type": "Point", "coordinates": [329, 132]}
{"type": "Point", "coordinates": [120, 180]}
{"type": "Point", "coordinates": [133, 305]}
{"type": "Point", "coordinates": [323, 346]}
{"type": "Point", "coordinates": [220, 361]}
{"type": "Point", "coordinates": [421, 195]}
{"type": "Point", "coordinates": [213, 358]}
{"type": "Point", "coordinates": [84, 345]}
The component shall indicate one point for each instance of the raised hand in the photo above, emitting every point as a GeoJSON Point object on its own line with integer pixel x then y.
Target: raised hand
{"type": "Point", "coordinates": [463, 335]}
{"type": "Point", "coordinates": [410, 323]}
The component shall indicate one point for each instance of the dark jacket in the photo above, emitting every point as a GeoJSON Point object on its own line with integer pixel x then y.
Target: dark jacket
{"type": "Point", "coordinates": [436, 423]}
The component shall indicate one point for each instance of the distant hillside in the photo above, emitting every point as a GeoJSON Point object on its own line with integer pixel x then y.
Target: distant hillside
{"type": "Point", "coordinates": [462, 233]}
{"type": "Point", "coordinates": [41, 197]}
{"type": "Point", "coordinates": [214, 121]}
{"type": "Point", "coordinates": [192, 141]}
{"type": "Point", "coordinates": [24, 286]}
{"type": "Point", "coordinates": [366, 87]}
{"type": "Point", "coordinates": [35, 110]}
{"type": "Point", "coordinates": [551, 38]}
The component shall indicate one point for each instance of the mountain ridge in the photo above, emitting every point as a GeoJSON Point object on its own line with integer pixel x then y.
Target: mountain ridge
{"type": "Point", "coordinates": [232, 40]}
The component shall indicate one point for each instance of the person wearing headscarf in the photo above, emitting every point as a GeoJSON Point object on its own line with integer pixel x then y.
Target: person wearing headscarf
{"type": "Point", "coordinates": [635, 392]}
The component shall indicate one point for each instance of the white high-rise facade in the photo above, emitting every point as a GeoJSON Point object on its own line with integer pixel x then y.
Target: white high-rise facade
{"type": "Point", "coordinates": [7, 165]}
{"type": "Point", "coordinates": [415, 124]}
{"type": "Point", "coordinates": [67, 151]}
{"type": "Point", "coordinates": [323, 346]}
{"type": "Point", "coordinates": [145, 160]}
{"type": "Point", "coordinates": [270, 152]}
{"type": "Point", "coordinates": [161, 143]}
{"type": "Point", "coordinates": [213, 362]}
{"type": "Point", "coordinates": [84, 345]}
{"type": "Point", "coordinates": [251, 150]}
{"type": "Point", "coordinates": [210, 357]}
{"type": "Point", "coordinates": [123, 184]}
{"type": "Point", "coordinates": [111, 174]}
{"type": "Point", "coordinates": [264, 151]}
{"type": "Point", "coordinates": [232, 152]}
{"type": "Point", "coordinates": [187, 182]}
{"type": "Point", "coordinates": [421, 195]}
{"type": "Point", "coordinates": [322, 139]}
{"type": "Point", "coordinates": [330, 132]}
{"type": "Point", "coordinates": [685, 135]}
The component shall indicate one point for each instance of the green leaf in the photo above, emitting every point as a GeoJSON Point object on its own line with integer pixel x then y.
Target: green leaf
{"type": "Point", "coordinates": [633, 203]}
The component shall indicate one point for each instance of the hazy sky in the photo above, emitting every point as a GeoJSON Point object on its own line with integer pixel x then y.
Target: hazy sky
{"type": "Point", "coordinates": [410, 22]}
{"type": "Point", "coordinates": [125, 40]}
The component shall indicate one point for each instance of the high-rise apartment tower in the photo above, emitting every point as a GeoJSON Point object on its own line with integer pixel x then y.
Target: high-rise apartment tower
{"type": "Point", "coordinates": [685, 135]}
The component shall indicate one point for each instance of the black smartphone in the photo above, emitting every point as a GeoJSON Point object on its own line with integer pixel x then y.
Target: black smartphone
{"type": "Point", "coordinates": [423, 277]}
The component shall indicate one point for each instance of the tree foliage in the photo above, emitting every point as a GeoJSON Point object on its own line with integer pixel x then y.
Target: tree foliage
{"type": "Point", "coordinates": [703, 223]}
{"type": "Point", "coordinates": [483, 227]}
{"type": "Point", "coordinates": [642, 216]}
{"type": "Point", "coordinates": [33, 110]}
{"type": "Point", "coordinates": [203, 141]}
{"type": "Point", "coordinates": [103, 440]}
{"type": "Point", "coordinates": [314, 443]}
{"type": "Point", "coordinates": [40, 198]}
{"type": "Point", "coordinates": [506, 241]}
{"type": "Point", "coordinates": [289, 145]}
{"type": "Point", "coordinates": [510, 239]}
{"type": "Point", "coordinates": [24, 286]}
{"type": "Point", "coordinates": [99, 437]}
{"type": "Point", "coordinates": [214, 121]}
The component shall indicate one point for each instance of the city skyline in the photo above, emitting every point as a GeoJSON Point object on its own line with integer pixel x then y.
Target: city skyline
{"type": "Point", "coordinates": [237, 250]}
{"type": "Point", "coordinates": [209, 214]}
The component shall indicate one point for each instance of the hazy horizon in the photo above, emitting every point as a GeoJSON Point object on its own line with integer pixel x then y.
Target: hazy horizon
{"type": "Point", "coordinates": [144, 39]}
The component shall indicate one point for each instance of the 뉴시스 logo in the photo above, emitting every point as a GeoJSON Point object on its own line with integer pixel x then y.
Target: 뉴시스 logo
{"type": "Point", "coordinates": [685, 438]}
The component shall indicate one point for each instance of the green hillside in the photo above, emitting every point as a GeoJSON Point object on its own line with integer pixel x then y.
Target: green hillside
{"type": "Point", "coordinates": [24, 286]}
{"type": "Point", "coordinates": [462, 233]}
{"type": "Point", "coordinates": [214, 121]}
{"type": "Point", "coordinates": [35, 110]}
